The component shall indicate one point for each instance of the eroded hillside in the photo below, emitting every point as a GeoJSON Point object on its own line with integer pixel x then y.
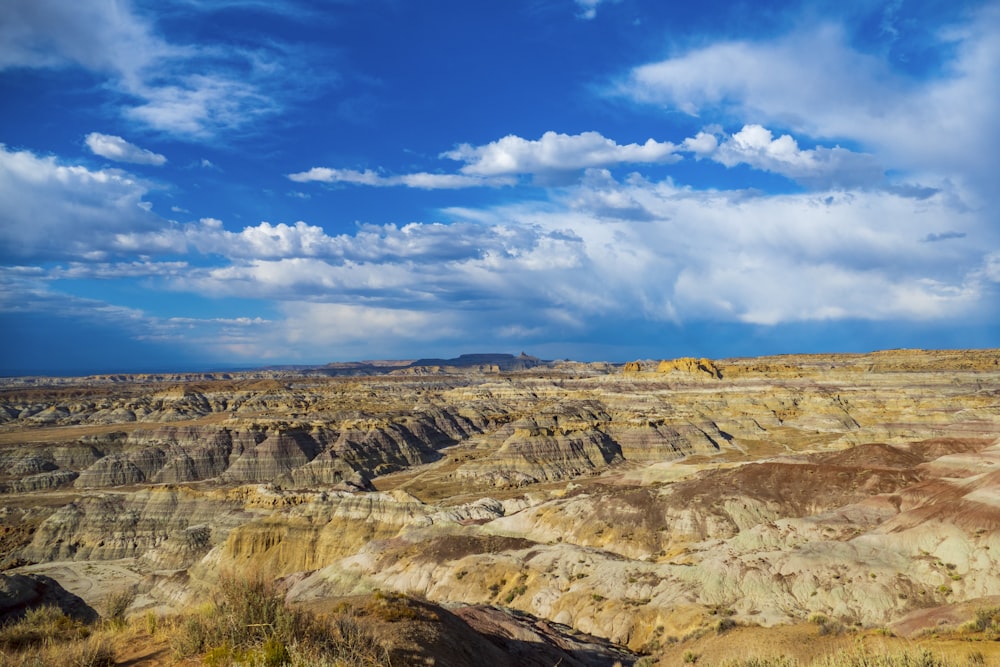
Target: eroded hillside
{"type": "Point", "coordinates": [635, 504]}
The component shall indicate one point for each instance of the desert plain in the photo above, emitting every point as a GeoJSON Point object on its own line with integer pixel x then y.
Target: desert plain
{"type": "Point", "coordinates": [510, 510]}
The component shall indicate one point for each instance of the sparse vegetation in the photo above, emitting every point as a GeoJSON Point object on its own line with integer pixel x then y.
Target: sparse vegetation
{"type": "Point", "coordinates": [986, 620]}
{"type": "Point", "coordinates": [860, 657]}
{"type": "Point", "coordinates": [778, 661]}
{"type": "Point", "coordinates": [41, 626]}
{"type": "Point", "coordinates": [250, 624]}
{"type": "Point", "coordinates": [826, 625]}
{"type": "Point", "coordinates": [515, 592]}
{"type": "Point", "coordinates": [116, 606]}
{"type": "Point", "coordinates": [46, 637]}
{"type": "Point", "coordinates": [723, 624]}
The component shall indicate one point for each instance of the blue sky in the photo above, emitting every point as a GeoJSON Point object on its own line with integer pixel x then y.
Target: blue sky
{"type": "Point", "coordinates": [209, 183]}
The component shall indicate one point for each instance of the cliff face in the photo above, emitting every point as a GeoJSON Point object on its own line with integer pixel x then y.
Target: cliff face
{"type": "Point", "coordinates": [616, 501]}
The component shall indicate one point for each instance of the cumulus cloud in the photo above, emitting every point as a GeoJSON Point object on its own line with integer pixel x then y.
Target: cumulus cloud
{"type": "Point", "coordinates": [630, 248]}
{"type": "Point", "coordinates": [119, 150]}
{"type": "Point", "coordinates": [603, 250]}
{"type": "Point", "coordinates": [498, 163]}
{"type": "Point", "coordinates": [556, 152]}
{"type": "Point", "coordinates": [182, 89]}
{"type": "Point", "coordinates": [52, 210]}
{"type": "Point", "coordinates": [747, 257]}
{"type": "Point", "coordinates": [756, 146]}
{"type": "Point", "coordinates": [815, 83]}
{"type": "Point", "coordinates": [689, 256]}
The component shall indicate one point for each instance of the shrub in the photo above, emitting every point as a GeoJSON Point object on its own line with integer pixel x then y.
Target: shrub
{"type": "Point", "coordinates": [250, 624]}
{"type": "Point", "coordinates": [859, 657]}
{"type": "Point", "coordinates": [987, 619]}
{"type": "Point", "coordinates": [41, 625]}
{"type": "Point", "coordinates": [777, 661]}
{"type": "Point", "coordinates": [515, 592]}
{"type": "Point", "coordinates": [866, 658]}
{"type": "Point", "coordinates": [96, 651]}
{"type": "Point", "coordinates": [116, 606]}
{"type": "Point", "coordinates": [724, 624]}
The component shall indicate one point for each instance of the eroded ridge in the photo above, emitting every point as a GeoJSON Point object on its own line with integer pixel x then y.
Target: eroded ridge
{"type": "Point", "coordinates": [630, 503]}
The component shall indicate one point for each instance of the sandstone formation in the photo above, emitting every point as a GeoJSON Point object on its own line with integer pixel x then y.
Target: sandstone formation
{"type": "Point", "coordinates": [634, 504]}
{"type": "Point", "coordinates": [691, 366]}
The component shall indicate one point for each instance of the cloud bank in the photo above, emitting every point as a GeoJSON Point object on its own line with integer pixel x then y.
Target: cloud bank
{"type": "Point", "coordinates": [883, 210]}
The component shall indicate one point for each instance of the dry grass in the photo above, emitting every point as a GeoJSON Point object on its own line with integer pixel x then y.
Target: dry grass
{"type": "Point", "coordinates": [866, 657]}
{"type": "Point", "coordinates": [825, 643]}
{"type": "Point", "coordinates": [986, 621]}
{"type": "Point", "coordinates": [46, 637]}
{"type": "Point", "coordinates": [250, 624]}
{"type": "Point", "coordinates": [41, 626]}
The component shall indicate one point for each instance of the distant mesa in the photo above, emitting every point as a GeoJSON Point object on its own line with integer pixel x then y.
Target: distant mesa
{"type": "Point", "coordinates": [504, 362]}
{"type": "Point", "coordinates": [489, 362]}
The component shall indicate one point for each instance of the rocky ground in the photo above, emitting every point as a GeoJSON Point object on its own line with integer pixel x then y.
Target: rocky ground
{"type": "Point", "coordinates": [586, 513]}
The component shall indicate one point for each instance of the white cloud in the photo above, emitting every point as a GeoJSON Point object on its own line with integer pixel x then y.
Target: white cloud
{"type": "Point", "coordinates": [619, 249]}
{"type": "Point", "coordinates": [815, 83]}
{"type": "Point", "coordinates": [757, 147]}
{"type": "Point", "coordinates": [200, 104]}
{"type": "Point", "coordinates": [774, 79]}
{"type": "Point", "coordinates": [325, 324]}
{"type": "Point", "coordinates": [555, 152]}
{"type": "Point", "coordinates": [186, 90]}
{"type": "Point", "coordinates": [603, 251]}
{"type": "Point", "coordinates": [419, 180]}
{"type": "Point", "coordinates": [734, 256]}
{"type": "Point", "coordinates": [638, 249]}
{"type": "Point", "coordinates": [426, 181]}
{"type": "Point", "coordinates": [417, 242]}
{"type": "Point", "coordinates": [116, 270]}
{"type": "Point", "coordinates": [328, 175]}
{"type": "Point", "coordinates": [54, 210]}
{"type": "Point", "coordinates": [119, 150]}
{"type": "Point", "coordinates": [500, 162]}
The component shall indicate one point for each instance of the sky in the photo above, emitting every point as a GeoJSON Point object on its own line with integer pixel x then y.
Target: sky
{"type": "Point", "coordinates": [201, 184]}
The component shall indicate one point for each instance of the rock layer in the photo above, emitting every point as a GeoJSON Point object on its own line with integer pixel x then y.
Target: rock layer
{"type": "Point", "coordinates": [629, 503]}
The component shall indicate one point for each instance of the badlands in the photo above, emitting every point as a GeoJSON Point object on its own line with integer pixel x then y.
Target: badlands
{"type": "Point", "coordinates": [515, 511]}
